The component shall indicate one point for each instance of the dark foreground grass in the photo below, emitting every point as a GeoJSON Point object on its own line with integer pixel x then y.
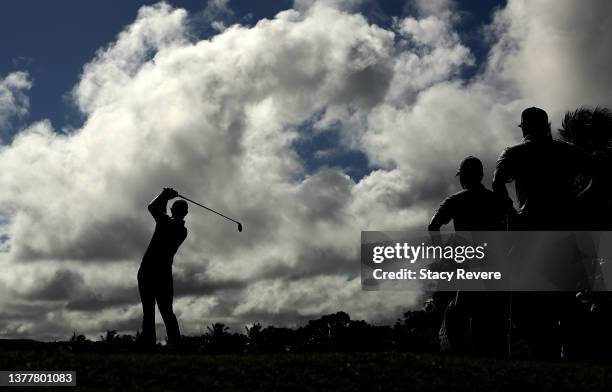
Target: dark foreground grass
{"type": "Point", "coordinates": [310, 372]}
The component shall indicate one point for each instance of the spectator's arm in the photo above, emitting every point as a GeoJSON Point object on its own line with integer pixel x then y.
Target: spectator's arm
{"type": "Point", "coordinates": [443, 215]}
{"type": "Point", "coordinates": [501, 176]}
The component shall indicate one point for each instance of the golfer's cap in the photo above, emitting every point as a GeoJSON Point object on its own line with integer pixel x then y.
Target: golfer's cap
{"type": "Point", "coordinates": [535, 116]}
{"type": "Point", "coordinates": [470, 164]}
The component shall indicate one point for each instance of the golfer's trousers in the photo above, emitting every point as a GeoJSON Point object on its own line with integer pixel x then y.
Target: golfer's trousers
{"type": "Point", "coordinates": [155, 285]}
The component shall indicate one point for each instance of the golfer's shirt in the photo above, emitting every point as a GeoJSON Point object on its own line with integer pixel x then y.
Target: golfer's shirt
{"type": "Point", "coordinates": [168, 236]}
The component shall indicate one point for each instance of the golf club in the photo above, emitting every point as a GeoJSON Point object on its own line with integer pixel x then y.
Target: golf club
{"type": "Point", "coordinates": [211, 210]}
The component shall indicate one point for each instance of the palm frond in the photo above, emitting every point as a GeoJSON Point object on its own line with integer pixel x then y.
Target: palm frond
{"type": "Point", "coordinates": [589, 129]}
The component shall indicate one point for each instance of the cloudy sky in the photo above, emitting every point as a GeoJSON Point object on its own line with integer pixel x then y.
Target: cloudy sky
{"type": "Point", "coordinates": [309, 121]}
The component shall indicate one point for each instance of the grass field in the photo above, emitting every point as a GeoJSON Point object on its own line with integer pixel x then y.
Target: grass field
{"type": "Point", "coordinates": [310, 372]}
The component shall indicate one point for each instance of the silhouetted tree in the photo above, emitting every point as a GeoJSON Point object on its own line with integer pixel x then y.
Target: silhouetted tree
{"type": "Point", "coordinates": [418, 330]}
{"type": "Point", "coordinates": [109, 338]}
{"type": "Point", "coordinates": [79, 342]}
{"type": "Point", "coordinates": [193, 344]}
{"type": "Point", "coordinates": [590, 129]}
{"type": "Point", "coordinates": [77, 339]}
{"type": "Point", "coordinates": [334, 332]}
{"type": "Point", "coordinates": [270, 339]}
{"type": "Point", "coordinates": [119, 342]}
{"type": "Point", "coordinates": [218, 340]}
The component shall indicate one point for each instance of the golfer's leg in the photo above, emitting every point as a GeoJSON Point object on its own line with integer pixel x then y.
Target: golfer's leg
{"type": "Point", "coordinates": [147, 297]}
{"type": "Point", "coordinates": [164, 297]}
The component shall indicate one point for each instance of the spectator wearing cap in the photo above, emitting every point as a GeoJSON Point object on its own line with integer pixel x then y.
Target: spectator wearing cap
{"type": "Point", "coordinates": [473, 321]}
{"type": "Point", "coordinates": [544, 172]}
{"type": "Point", "coordinates": [475, 208]}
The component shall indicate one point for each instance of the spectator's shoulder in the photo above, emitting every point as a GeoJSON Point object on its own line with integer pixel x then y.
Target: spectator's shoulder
{"type": "Point", "coordinates": [515, 149]}
{"type": "Point", "coordinates": [565, 145]}
{"type": "Point", "coordinates": [509, 153]}
{"type": "Point", "coordinates": [455, 197]}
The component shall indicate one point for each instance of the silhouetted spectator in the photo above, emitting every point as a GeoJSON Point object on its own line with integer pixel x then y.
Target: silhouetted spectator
{"type": "Point", "coordinates": [473, 321]}
{"type": "Point", "coordinates": [155, 273]}
{"type": "Point", "coordinates": [545, 172]}
{"type": "Point", "coordinates": [472, 209]}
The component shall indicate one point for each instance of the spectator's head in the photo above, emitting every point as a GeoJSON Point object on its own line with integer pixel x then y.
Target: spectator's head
{"type": "Point", "coordinates": [535, 125]}
{"type": "Point", "coordinates": [470, 172]}
{"type": "Point", "coordinates": [179, 209]}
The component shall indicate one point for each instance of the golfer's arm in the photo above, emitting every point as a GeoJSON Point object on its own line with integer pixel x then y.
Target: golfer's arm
{"type": "Point", "coordinates": [158, 206]}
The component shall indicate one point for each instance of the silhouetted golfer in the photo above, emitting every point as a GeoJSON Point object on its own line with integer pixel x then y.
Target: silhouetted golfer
{"type": "Point", "coordinates": [155, 273]}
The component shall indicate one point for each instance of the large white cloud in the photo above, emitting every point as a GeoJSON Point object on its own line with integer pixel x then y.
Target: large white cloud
{"type": "Point", "coordinates": [14, 101]}
{"type": "Point", "coordinates": [218, 119]}
{"type": "Point", "coordinates": [555, 53]}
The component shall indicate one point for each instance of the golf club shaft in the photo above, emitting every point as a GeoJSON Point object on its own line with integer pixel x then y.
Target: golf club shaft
{"type": "Point", "coordinates": [209, 209]}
